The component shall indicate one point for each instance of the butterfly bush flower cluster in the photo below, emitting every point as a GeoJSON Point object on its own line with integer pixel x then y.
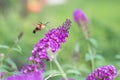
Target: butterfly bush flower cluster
{"type": "Point", "coordinates": [103, 73]}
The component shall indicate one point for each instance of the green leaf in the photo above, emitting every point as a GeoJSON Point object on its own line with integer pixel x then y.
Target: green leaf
{"type": "Point", "coordinates": [68, 66]}
{"type": "Point", "coordinates": [4, 47]}
{"type": "Point", "coordinates": [2, 69]}
{"type": "Point", "coordinates": [51, 72]}
{"type": "Point", "coordinates": [2, 57]}
{"type": "Point", "coordinates": [100, 57]}
{"type": "Point", "coordinates": [93, 42]}
{"type": "Point", "coordinates": [117, 56]}
{"type": "Point", "coordinates": [17, 49]}
{"type": "Point", "coordinates": [8, 72]}
{"type": "Point", "coordinates": [10, 62]}
{"type": "Point", "coordinates": [87, 57]}
{"type": "Point", "coordinates": [73, 71]}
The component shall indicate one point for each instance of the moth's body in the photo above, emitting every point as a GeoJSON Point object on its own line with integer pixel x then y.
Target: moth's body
{"type": "Point", "coordinates": [39, 27]}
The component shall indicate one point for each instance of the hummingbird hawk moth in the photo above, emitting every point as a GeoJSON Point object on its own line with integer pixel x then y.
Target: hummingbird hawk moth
{"type": "Point", "coordinates": [39, 26]}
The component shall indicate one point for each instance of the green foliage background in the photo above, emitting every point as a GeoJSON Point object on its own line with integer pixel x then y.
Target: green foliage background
{"type": "Point", "coordinates": [104, 21]}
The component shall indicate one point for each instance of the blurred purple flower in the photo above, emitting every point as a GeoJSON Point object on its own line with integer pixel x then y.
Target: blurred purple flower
{"type": "Point", "coordinates": [103, 73]}
{"type": "Point", "coordinates": [80, 17]}
{"type": "Point", "coordinates": [52, 40]}
{"type": "Point", "coordinates": [2, 74]}
{"type": "Point", "coordinates": [27, 76]}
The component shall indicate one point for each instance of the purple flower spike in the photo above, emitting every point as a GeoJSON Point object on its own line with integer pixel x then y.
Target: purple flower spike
{"type": "Point", "coordinates": [80, 17]}
{"type": "Point", "coordinates": [103, 73]}
{"type": "Point", "coordinates": [52, 41]}
{"type": "Point", "coordinates": [27, 76]}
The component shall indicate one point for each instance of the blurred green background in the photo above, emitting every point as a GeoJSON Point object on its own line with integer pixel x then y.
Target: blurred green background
{"type": "Point", "coordinates": [104, 21]}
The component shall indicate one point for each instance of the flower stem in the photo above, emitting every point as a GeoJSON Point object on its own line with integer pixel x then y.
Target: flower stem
{"type": "Point", "coordinates": [91, 56]}
{"type": "Point", "coordinates": [50, 65]}
{"type": "Point", "coordinates": [86, 32]}
{"type": "Point", "coordinates": [60, 68]}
